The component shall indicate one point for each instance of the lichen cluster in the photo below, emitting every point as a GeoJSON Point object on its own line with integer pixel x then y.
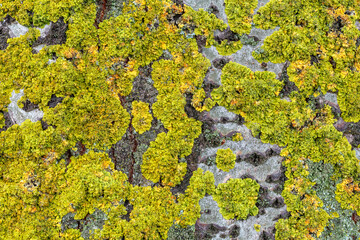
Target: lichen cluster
{"type": "Point", "coordinates": [307, 134]}
{"type": "Point", "coordinates": [237, 197]}
{"type": "Point", "coordinates": [61, 165]}
{"type": "Point", "coordinates": [225, 159]}
{"type": "Point", "coordinates": [142, 118]}
{"type": "Point", "coordinates": [319, 41]}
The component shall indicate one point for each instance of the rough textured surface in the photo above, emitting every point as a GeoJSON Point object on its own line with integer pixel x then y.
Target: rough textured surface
{"type": "Point", "coordinates": [214, 6]}
{"type": "Point", "coordinates": [244, 55]}
{"type": "Point", "coordinates": [16, 29]}
{"type": "Point", "coordinates": [255, 160]}
{"type": "Point", "coordinates": [246, 228]}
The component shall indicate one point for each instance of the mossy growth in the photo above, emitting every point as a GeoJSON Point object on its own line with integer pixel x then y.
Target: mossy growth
{"type": "Point", "coordinates": [31, 179]}
{"type": "Point", "coordinates": [342, 226]}
{"type": "Point", "coordinates": [200, 184]}
{"type": "Point", "coordinates": [227, 47]}
{"type": "Point", "coordinates": [237, 137]}
{"type": "Point", "coordinates": [321, 43]}
{"type": "Point", "coordinates": [93, 74]}
{"type": "Point", "coordinates": [91, 183]}
{"type": "Point", "coordinates": [237, 198]}
{"type": "Point", "coordinates": [257, 227]}
{"type": "Point", "coordinates": [239, 14]}
{"type": "Point", "coordinates": [176, 232]}
{"type": "Point", "coordinates": [348, 194]}
{"type": "Point", "coordinates": [306, 132]}
{"type": "Point", "coordinates": [225, 159]}
{"type": "Point", "coordinates": [38, 13]}
{"type": "Point", "coordinates": [308, 218]}
{"type": "Point", "coordinates": [141, 116]}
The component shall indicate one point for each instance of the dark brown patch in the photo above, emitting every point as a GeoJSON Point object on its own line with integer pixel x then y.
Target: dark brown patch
{"type": "Point", "coordinates": [219, 63]}
{"type": "Point", "coordinates": [314, 60]}
{"type": "Point", "coordinates": [283, 215]}
{"type": "Point", "coordinates": [129, 208]}
{"type": "Point", "coordinates": [277, 202]}
{"type": "Point", "coordinates": [234, 231]}
{"type": "Point", "coordinates": [44, 125]}
{"type": "Point", "coordinates": [54, 100]}
{"type": "Point", "coordinates": [201, 42]}
{"type": "Point", "coordinates": [227, 34]}
{"type": "Point", "coordinates": [4, 36]}
{"type": "Point", "coordinates": [355, 217]}
{"type": "Point", "coordinates": [276, 177]}
{"type": "Point", "coordinates": [337, 25]}
{"type": "Point", "coordinates": [102, 9]}
{"type": "Point", "coordinates": [214, 10]}
{"type": "Point", "coordinates": [349, 129]}
{"type": "Point", "coordinates": [255, 158]}
{"type": "Point", "coordinates": [288, 85]}
{"type": "Point", "coordinates": [56, 34]}
{"type": "Point", "coordinates": [333, 63]}
{"type": "Point", "coordinates": [266, 235]}
{"type": "Point", "coordinates": [8, 121]}
{"type": "Point", "coordinates": [207, 231]}
{"type": "Point", "coordinates": [29, 106]}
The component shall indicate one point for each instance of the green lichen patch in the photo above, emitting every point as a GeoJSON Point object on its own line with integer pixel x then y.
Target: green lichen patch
{"type": "Point", "coordinates": [237, 198]}
{"type": "Point", "coordinates": [176, 232]}
{"type": "Point", "coordinates": [38, 13]}
{"type": "Point", "coordinates": [200, 184]}
{"type": "Point", "coordinates": [343, 226]}
{"type": "Point", "coordinates": [239, 14]}
{"type": "Point", "coordinates": [237, 137]}
{"type": "Point", "coordinates": [321, 43]}
{"type": "Point", "coordinates": [225, 159]}
{"type": "Point", "coordinates": [141, 116]}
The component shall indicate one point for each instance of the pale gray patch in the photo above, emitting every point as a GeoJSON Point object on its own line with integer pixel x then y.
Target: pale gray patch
{"type": "Point", "coordinates": [51, 61]}
{"type": "Point", "coordinates": [39, 47]}
{"type": "Point", "coordinates": [214, 76]}
{"type": "Point", "coordinates": [205, 4]}
{"type": "Point", "coordinates": [286, 99]}
{"type": "Point", "coordinates": [245, 58]}
{"type": "Point", "coordinates": [219, 112]}
{"type": "Point", "coordinates": [357, 153]}
{"type": "Point", "coordinates": [17, 114]}
{"type": "Point", "coordinates": [210, 53]}
{"type": "Point", "coordinates": [357, 24]}
{"type": "Point", "coordinates": [17, 30]}
{"type": "Point", "coordinates": [45, 30]}
{"type": "Point", "coordinates": [247, 146]}
{"type": "Point", "coordinates": [260, 173]}
{"type": "Point", "coordinates": [272, 165]}
{"type": "Point", "coordinates": [226, 129]}
{"type": "Point", "coordinates": [247, 230]}
{"type": "Point", "coordinates": [331, 97]}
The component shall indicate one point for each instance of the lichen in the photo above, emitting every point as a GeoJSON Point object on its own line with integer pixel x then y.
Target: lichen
{"type": "Point", "coordinates": [44, 177]}
{"type": "Point", "coordinates": [239, 14]}
{"type": "Point", "coordinates": [141, 116]}
{"type": "Point", "coordinates": [225, 159]}
{"type": "Point", "coordinates": [237, 197]}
